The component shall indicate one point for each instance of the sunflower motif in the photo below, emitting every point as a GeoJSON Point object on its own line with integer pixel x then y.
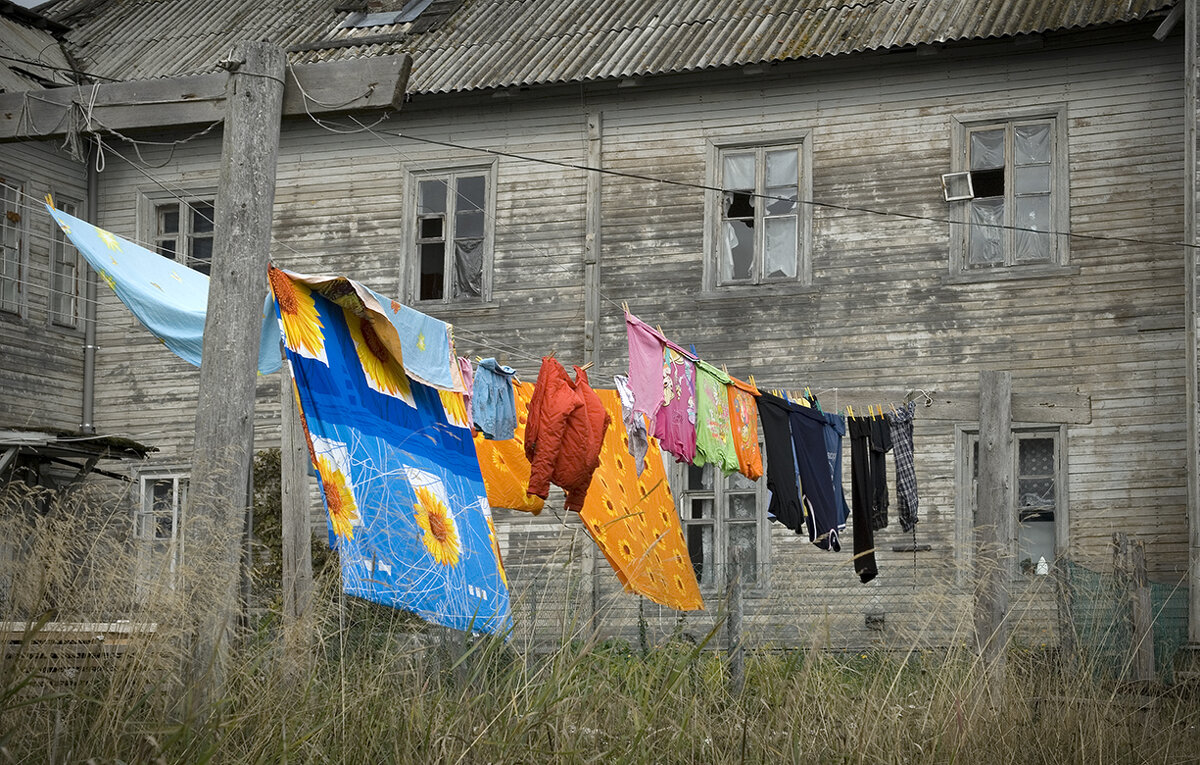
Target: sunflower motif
{"type": "Point", "coordinates": [441, 533]}
{"type": "Point", "coordinates": [496, 550]}
{"type": "Point", "coordinates": [338, 497]}
{"type": "Point", "coordinates": [384, 373]}
{"type": "Point", "coordinates": [626, 550]}
{"type": "Point", "coordinates": [298, 314]}
{"type": "Point", "coordinates": [110, 240]}
{"type": "Point", "coordinates": [108, 280]}
{"type": "Point", "coordinates": [498, 460]}
{"type": "Point", "coordinates": [455, 407]}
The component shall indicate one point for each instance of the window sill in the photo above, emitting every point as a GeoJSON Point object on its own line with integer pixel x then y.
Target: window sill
{"type": "Point", "coordinates": [742, 291]}
{"type": "Point", "coordinates": [437, 307]}
{"type": "Point", "coordinates": [1009, 274]}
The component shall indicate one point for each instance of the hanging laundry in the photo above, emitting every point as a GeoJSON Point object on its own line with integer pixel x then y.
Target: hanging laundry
{"type": "Point", "coordinates": [504, 465]}
{"type": "Point", "coordinates": [743, 418]}
{"type": "Point", "coordinates": [468, 378]}
{"type": "Point", "coordinates": [881, 444]}
{"type": "Point", "coordinates": [816, 481]}
{"type": "Point", "coordinates": [675, 422]}
{"type": "Point", "coordinates": [834, 433]}
{"type": "Point", "coordinates": [408, 511]}
{"type": "Point", "coordinates": [492, 407]}
{"type": "Point", "coordinates": [645, 365]}
{"type": "Point", "coordinates": [714, 430]}
{"type": "Point", "coordinates": [168, 298]}
{"type": "Point", "coordinates": [635, 424]}
{"type": "Point", "coordinates": [862, 487]}
{"type": "Point", "coordinates": [634, 522]}
{"type": "Point", "coordinates": [901, 422]}
{"type": "Point", "coordinates": [781, 461]}
{"type": "Point", "coordinates": [564, 433]}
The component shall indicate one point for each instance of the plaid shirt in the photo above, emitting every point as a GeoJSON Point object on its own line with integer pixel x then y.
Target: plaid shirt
{"type": "Point", "coordinates": [901, 423]}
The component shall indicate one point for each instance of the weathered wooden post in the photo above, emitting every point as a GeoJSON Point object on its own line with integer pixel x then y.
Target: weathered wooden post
{"type": "Point", "coordinates": [297, 535]}
{"type": "Point", "coordinates": [995, 526]}
{"type": "Point", "coordinates": [737, 667]}
{"type": "Point", "coordinates": [225, 409]}
{"type": "Point", "coordinates": [1129, 568]}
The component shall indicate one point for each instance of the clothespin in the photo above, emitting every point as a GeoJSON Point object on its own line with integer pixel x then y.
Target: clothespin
{"type": "Point", "coordinates": [625, 306]}
{"type": "Point", "coordinates": [752, 381]}
{"type": "Point", "coordinates": [587, 366]}
{"type": "Point", "coordinates": [849, 411]}
{"type": "Point", "coordinates": [50, 199]}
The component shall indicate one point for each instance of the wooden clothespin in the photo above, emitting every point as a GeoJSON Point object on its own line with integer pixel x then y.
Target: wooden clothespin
{"type": "Point", "coordinates": [50, 199]}
{"type": "Point", "coordinates": [849, 411]}
{"type": "Point", "coordinates": [752, 381]}
{"type": "Point", "coordinates": [587, 366]}
{"type": "Point", "coordinates": [625, 306]}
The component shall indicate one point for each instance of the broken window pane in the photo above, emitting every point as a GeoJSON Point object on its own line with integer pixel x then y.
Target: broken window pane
{"type": "Point", "coordinates": [431, 197]}
{"type": "Point", "coordinates": [702, 507]}
{"type": "Point", "coordinates": [987, 149]}
{"type": "Point", "coordinates": [431, 227]}
{"type": "Point", "coordinates": [1031, 143]}
{"type": "Point", "coordinates": [471, 193]}
{"type": "Point", "coordinates": [737, 250]}
{"type": "Point", "coordinates": [433, 263]}
{"type": "Point", "coordinates": [738, 205]}
{"type": "Point", "coordinates": [700, 550]}
{"type": "Point", "coordinates": [986, 245]}
{"type": "Point", "coordinates": [781, 200]}
{"type": "Point", "coordinates": [739, 172]}
{"type": "Point", "coordinates": [988, 183]}
{"type": "Point", "coordinates": [468, 267]}
{"type": "Point", "coordinates": [780, 248]}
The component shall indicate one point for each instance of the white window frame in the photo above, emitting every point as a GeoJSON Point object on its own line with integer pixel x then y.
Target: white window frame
{"type": "Point", "coordinates": [411, 268]}
{"type": "Point", "coordinates": [62, 255]}
{"type": "Point", "coordinates": [717, 148]}
{"type": "Point", "coordinates": [966, 436]}
{"type": "Point", "coordinates": [1060, 194]}
{"type": "Point", "coordinates": [720, 523]}
{"type": "Point", "coordinates": [149, 204]}
{"type": "Point", "coordinates": [145, 528]}
{"type": "Point", "coordinates": [14, 243]}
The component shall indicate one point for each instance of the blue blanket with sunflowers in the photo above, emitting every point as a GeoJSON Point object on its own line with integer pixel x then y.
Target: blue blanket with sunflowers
{"type": "Point", "coordinates": [408, 512]}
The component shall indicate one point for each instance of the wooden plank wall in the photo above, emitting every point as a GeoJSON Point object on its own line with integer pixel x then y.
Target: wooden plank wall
{"type": "Point", "coordinates": [882, 313]}
{"type": "Point", "coordinates": [42, 370]}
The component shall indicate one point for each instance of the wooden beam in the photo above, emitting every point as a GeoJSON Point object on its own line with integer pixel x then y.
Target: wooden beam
{"type": "Point", "coordinates": [225, 407]}
{"type": "Point", "coordinates": [995, 529]}
{"type": "Point", "coordinates": [316, 89]}
{"type": "Point", "coordinates": [297, 532]}
{"type": "Point", "coordinates": [1191, 271]}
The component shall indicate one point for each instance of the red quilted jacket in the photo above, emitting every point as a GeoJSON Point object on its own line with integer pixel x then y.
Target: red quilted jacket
{"type": "Point", "coordinates": [564, 433]}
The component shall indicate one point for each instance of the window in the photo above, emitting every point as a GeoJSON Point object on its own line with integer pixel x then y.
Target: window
{"type": "Point", "coordinates": [183, 231]}
{"type": "Point", "coordinates": [1010, 193]}
{"type": "Point", "coordinates": [12, 248]}
{"type": "Point", "coordinates": [64, 274]}
{"type": "Point", "coordinates": [453, 235]}
{"type": "Point", "coordinates": [760, 230]}
{"type": "Point", "coordinates": [157, 527]}
{"type": "Point", "coordinates": [1038, 506]}
{"type": "Point", "coordinates": [723, 517]}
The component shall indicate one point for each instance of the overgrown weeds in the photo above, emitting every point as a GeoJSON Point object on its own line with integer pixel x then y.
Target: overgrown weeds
{"type": "Point", "coordinates": [381, 686]}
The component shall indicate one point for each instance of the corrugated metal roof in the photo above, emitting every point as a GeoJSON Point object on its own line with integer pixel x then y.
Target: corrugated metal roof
{"type": "Point", "coordinates": [502, 43]}
{"type": "Point", "coordinates": [30, 57]}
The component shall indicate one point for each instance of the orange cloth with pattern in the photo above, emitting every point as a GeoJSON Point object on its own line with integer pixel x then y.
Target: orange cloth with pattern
{"type": "Point", "coordinates": [743, 418]}
{"type": "Point", "coordinates": [503, 464]}
{"type": "Point", "coordinates": [633, 520]}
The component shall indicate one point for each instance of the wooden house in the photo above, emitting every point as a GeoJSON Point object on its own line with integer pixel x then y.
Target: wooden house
{"type": "Point", "coordinates": [956, 189]}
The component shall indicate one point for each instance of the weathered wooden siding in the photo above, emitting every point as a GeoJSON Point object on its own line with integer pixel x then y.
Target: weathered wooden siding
{"type": "Point", "coordinates": [883, 312]}
{"type": "Point", "coordinates": [42, 368]}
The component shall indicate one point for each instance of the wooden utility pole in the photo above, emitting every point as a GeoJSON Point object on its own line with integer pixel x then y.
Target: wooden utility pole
{"type": "Point", "coordinates": [225, 409]}
{"type": "Point", "coordinates": [995, 528]}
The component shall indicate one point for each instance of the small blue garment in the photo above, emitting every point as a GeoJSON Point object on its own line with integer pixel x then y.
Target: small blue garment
{"type": "Point", "coordinates": [169, 298]}
{"type": "Point", "coordinates": [427, 343]}
{"type": "Point", "coordinates": [493, 407]}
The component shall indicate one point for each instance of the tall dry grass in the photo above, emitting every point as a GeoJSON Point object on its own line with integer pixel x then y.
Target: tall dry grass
{"type": "Point", "coordinates": [382, 687]}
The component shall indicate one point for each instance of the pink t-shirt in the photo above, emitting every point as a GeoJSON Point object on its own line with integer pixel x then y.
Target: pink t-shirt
{"type": "Point", "coordinates": [675, 422]}
{"type": "Point", "coordinates": [645, 365]}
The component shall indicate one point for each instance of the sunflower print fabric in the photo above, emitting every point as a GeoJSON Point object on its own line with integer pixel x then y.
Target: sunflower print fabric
{"type": "Point", "coordinates": [408, 511]}
{"type": "Point", "coordinates": [504, 465]}
{"type": "Point", "coordinates": [633, 520]}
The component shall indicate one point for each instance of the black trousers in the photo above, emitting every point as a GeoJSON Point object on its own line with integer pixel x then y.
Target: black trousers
{"type": "Point", "coordinates": [862, 489]}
